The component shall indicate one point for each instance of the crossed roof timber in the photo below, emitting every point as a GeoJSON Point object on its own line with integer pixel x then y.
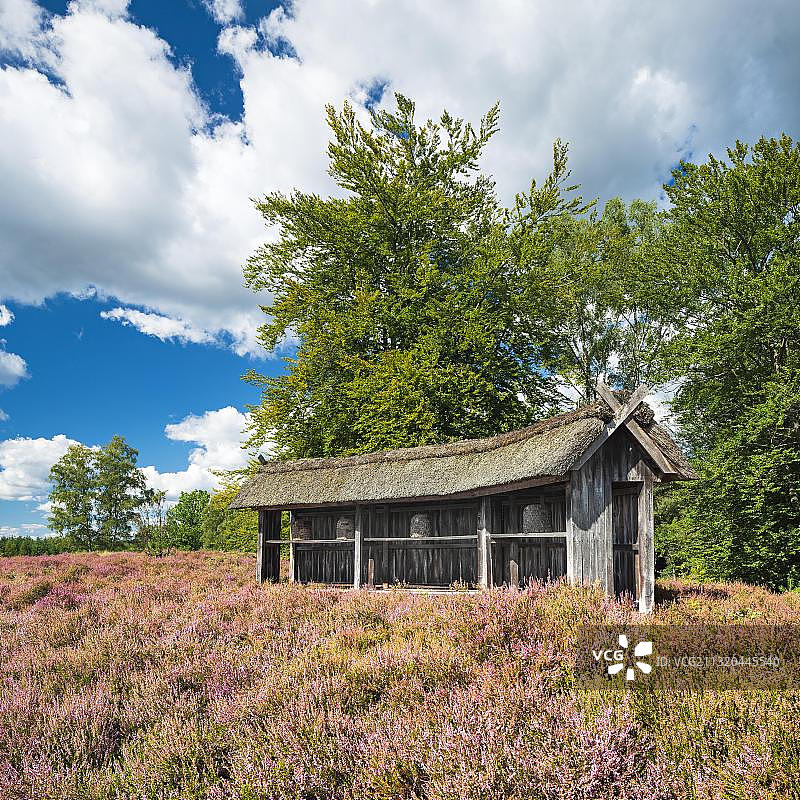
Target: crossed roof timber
{"type": "Point", "coordinates": [623, 417]}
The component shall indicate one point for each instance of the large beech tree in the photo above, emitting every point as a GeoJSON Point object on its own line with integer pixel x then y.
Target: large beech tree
{"type": "Point", "coordinates": [408, 296]}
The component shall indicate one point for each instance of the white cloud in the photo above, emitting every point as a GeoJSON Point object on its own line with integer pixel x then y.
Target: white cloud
{"type": "Point", "coordinates": [12, 368]}
{"type": "Point", "coordinates": [20, 27]}
{"type": "Point", "coordinates": [110, 8]}
{"type": "Point", "coordinates": [25, 464]}
{"type": "Point", "coordinates": [3, 415]}
{"type": "Point", "coordinates": [6, 316]}
{"type": "Point", "coordinates": [34, 529]}
{"type": "Point", "coordinates": [118, 177]}
{"type": "Point", "coordinates": [219, 436]}
{"type": "Point", "coordinates": [224, 11]}
{"type": "Point", "coordinates": [158, 325]}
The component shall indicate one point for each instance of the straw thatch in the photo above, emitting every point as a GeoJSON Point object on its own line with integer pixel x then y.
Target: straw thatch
{"type": "Point", "coordinates": [548, 449]}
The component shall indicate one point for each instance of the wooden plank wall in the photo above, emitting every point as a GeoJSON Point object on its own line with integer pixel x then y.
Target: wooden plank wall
{"type": "Point", "coordinates": [625, 523]}
{"type": "Point", "coordinates": [589, 523]}
{"type": "Point", "coordinates": [331, 562]}
{"type": "Point", "coordinates": [392, 561]}
{"type": "Point", "coordinates": [535, 559]}
{"type": "Point", "coordinates": [619, 464]}
{"type": "Point", "coordinates": [421, 562]}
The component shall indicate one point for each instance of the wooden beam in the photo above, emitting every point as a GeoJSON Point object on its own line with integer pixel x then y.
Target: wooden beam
{"type": "Point", "coordinates": [485, 543]}
{"type": "Point", "coordinates": [292, 556]}
{"type": "Point", "coordinates": [513, 571]}
{"type": "Point", "coordinates": [621, 417]}
{"type": "Point", "coordinates": [371, 573]}
{"type": "Point", "coordinates": [358, 548]}
{"type": "Point", "coordinates": [636, 430]}
{"type": "Point", "coordinates": [647, 567]}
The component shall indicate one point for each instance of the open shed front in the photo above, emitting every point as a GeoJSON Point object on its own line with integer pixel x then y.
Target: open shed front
{"type": "Point", "coordinates": [569, 497]}
{"type": "Point", "coordinates": [595, 525]}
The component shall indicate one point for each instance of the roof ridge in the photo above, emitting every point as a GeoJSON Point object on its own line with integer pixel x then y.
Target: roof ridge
{"type": "Point", "coordinates": [463, 446]}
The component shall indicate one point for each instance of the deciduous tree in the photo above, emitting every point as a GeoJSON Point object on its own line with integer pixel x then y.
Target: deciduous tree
{"type": "Point", "coordinates": [403, 294]}
{"type": "Point", "coordinates": [731, 273]}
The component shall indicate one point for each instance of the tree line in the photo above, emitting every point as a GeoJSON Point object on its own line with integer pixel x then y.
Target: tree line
{"type": "Point", "coordinates": [100, 501]}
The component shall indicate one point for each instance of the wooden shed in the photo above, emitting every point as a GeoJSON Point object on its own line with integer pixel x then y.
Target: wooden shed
{"type": "Point", "coordinates": [569, 496]}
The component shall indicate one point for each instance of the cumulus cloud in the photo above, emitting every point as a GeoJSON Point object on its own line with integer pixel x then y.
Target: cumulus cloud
{"type": "Point", "coordinates": [25, 465]}
{"type": "Point", "coordinates": [224, 11]}
{"type": "Point", "coordinates": [218, 436]}
{"type": "Point", "coordinates": [6, 316]}
{"type": "Point", "coordinates": [12, 368]}
{"type": "Point", "coordinates": [158, 325]}
{"type": "Point", "coordinates": [120, 178]}
{"type": "Point", "coordinates": [33, 529]}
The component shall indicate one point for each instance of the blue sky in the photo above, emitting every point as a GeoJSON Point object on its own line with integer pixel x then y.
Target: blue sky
{"type": "Point", "coordinates": [134, 135]}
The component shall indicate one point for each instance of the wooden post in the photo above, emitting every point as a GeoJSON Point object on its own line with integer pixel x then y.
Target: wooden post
{"type": "Point", "coordinates": [485, 543]}
{"type": "Point", "coordinates": [292, 559]}
{"type": "Point", "coordinates": [513, 547]}
{"type": "Point", "coordinates": [358, 534]}
{"type": "Point", "coordinates": [647, 567]}
{"type": "Point", "coordinates": [261, 561]}
{"type": "Point", "coordinates": [371, 572]}
{"type": "Point", "coordinates": [570, 537]}
{"type": "Point", "coordinates": [513, 570]}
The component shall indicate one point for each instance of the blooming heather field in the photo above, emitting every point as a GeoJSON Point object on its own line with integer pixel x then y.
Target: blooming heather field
{"type": "Point", "coordinates": [128, 676]}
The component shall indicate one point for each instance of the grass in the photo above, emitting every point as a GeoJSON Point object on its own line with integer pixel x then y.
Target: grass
{"type": "Point", "coordinates": [126, 676]}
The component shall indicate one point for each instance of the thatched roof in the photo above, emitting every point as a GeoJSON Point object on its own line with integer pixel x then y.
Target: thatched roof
{"type": "Point", "coordinates": [546, 450]}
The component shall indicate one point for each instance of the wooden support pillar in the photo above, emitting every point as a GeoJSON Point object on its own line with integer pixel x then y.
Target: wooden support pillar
{"type": "Point", "coordinates": [268, 558]}
{"type": "Point", "coordinates": [513, 547]}
{"type": "Point", "coordinates": [485, 543]}
{"type": "Point", "coordinates": [358, 535]}
{"type": "Point", "coordinates": [647, 567]}
{"type": "Point", "coordinates": [292, 554]}
{"type": "Point", "coordinates": [513, 567]}
{"type": "Point", "coordinates": [570, 537]}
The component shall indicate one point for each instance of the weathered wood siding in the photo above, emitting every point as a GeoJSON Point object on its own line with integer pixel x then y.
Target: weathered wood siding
{"type": "Point", "coordinates": [518, 561]}
{"type": "Point", "coordinates": [610, 521]}
{"type": "Point", "coordinates": [589, 522]}
{"type": "Point", "coordinates": [625, 523]}
{"type": "Point", "coordinates": [601, 520]}
{"type": "Point", "coordinates": [328, 562]}
{"type": "Point", "coordinates": [387, 556]}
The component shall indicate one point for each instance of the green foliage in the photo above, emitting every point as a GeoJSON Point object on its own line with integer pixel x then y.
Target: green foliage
{"type": "Point", "coordinates": [424, 312]}
{"type": "Point", "coordinates": [731, 272]}
{"type": "Point", "coordinates": [118, 491]}
{"type": "Point", "coordinates": [96, 495]}
{"type": "Point", "coordinates": [184, 529]}
{"type": "Point", "coordinates": [603, 324]}
{"type": "Point", "coordinates": [226, 529]}
{"type": "Point", "coordinates": [34, 546]}
{"type": "Point", "coordinates": [74, 479]}
{"type": "Point", "coordinates": [405, 293]}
